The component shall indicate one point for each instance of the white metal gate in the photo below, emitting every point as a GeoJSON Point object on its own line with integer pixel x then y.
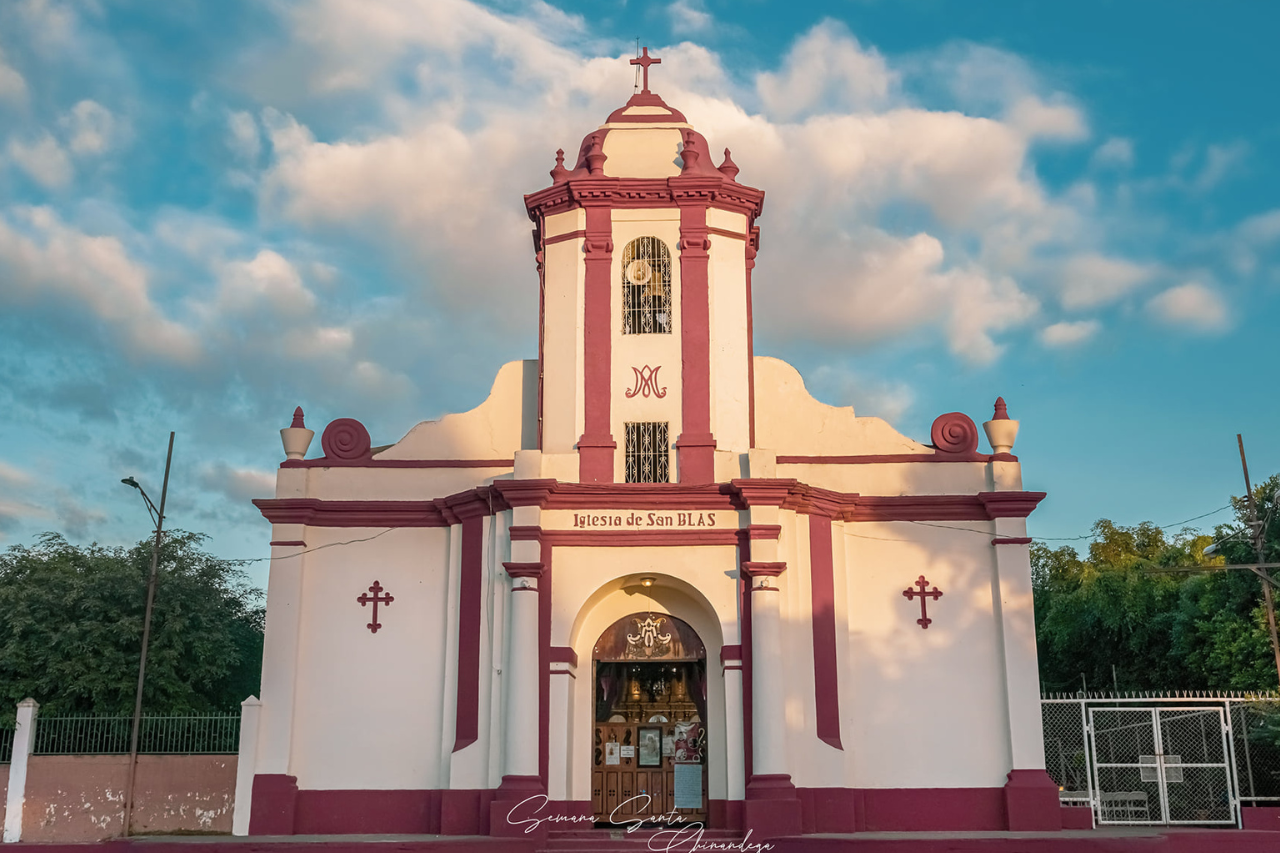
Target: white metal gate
{"type": "Point", "coordinates": [1165, 765]}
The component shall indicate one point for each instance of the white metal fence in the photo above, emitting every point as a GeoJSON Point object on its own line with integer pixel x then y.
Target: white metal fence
{"type": "Point", "coordinates": [1164, 758]}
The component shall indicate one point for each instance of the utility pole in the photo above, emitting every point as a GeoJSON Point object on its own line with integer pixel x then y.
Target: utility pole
{"type": "Point", "coordinates": [1256, 533]}
{"type": "Point", "coordinates": [146, 638]}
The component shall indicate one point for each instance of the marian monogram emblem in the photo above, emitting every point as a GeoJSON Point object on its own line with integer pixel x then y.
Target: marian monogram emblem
{"type": "Point", "coordinates": [648, 643]}
{"type": "Point", "coordinates": [647, 383]}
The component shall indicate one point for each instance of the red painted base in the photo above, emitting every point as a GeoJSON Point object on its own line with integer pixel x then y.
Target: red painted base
{"type": "Point", "coordinates": [1076, 817]}
{"type": "Point", "coordinates": [514, 791]}
{"type": "Point", "coordinates": [1031, 802]}
{"type": "Point", "coordinates": [1127, 840]}
{"type": "Point", "coordinates": [725, 814]}
{"type": "Point", "coordinates": [772, 808]}
{"type": "Point", "coordinates": [274, 799]}
{"type": "Point", "coordinates": [1261, 818]}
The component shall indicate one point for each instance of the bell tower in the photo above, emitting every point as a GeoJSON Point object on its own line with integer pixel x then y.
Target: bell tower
{"type": "Point", "coordinates": [645, 249]}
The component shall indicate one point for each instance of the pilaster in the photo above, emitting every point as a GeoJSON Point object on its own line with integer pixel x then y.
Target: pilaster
{"type": "Point", "coordinates": [596, 447]}
{"type": "Point", "coordinates": [520, 778]}
{"type": "Point", "coordinates": [24, 741]}
{"type": "Point", "coordinates": [695, 449]}
{"type": "Point", "coordinates": [772, 808]}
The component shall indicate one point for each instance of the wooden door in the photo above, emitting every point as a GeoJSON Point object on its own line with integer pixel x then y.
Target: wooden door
{"type": "Point", "coordinates": [624, 791]}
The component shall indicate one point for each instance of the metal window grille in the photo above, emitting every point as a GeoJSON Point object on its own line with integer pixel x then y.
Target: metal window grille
{"type": "Point", "coordinates": [6, 743]}
{"type": "Point", "coordinates": [213, 734]}
{"type": "Point", "coordinates": [648, 456]}
{"type": "Point", "coordinates": [646, 287]}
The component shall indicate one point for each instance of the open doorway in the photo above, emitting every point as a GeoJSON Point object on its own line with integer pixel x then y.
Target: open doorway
{"type": "Point", "coordinates": [649, 751]}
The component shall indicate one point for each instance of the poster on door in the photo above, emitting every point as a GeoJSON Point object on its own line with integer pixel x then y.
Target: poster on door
{"type": "Point", "coordinates": [688, 742]}
{"type": "Point", "coordinates": [688, 786]}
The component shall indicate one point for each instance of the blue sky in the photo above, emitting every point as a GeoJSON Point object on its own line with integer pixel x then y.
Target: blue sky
{"type": "Point", "coordinates": [211, 213]}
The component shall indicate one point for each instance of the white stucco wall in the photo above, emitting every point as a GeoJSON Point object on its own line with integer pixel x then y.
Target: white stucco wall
{"type": "Point", "coordinates": [359, 693]}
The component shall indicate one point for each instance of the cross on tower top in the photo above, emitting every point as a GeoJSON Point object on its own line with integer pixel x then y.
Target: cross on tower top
{"type": "Point", "coordinates": [644, 61]}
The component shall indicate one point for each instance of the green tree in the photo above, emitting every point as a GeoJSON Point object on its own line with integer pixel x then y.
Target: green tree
{"type": "Point", "coordinates": [71, 628]}
{"type": "Point", "coordinates": [1160, 631]}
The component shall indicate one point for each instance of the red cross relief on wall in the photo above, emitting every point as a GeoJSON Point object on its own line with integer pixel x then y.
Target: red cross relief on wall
{"type": "Point", "coordinates": [376, 599]}
{"type": "Point", "coordinates": [924, 594]}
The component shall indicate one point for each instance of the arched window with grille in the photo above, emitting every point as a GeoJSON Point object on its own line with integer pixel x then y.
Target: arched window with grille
{"type": "Point", "coordinates": [646, 287]}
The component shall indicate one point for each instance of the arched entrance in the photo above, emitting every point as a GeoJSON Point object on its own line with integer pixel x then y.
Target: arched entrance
{"type": "Point", "coordinates": [649, 750]}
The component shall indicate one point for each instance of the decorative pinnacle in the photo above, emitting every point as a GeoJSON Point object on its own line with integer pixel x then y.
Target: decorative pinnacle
{"type": "Point", "coordinates": [729, 168]}
{"type": "Point", "coordinates": [297, 419]}
{"type": "Point", "coordinates": [559, 173]}
{"type": "Point", "coordinates": [1002, 411]}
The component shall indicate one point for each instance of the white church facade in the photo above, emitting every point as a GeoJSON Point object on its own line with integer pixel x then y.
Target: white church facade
{"type": "Point", "coordinates": [649, 575]}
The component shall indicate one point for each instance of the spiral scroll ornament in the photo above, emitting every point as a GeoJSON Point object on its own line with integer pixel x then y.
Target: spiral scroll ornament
{"type": "Point", "coordinates": [954, 432]}
{"type": "Point", "coordinates": [347, 439]}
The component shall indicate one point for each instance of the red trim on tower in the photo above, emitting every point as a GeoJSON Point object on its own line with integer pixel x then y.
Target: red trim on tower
{"type": "Point", "coordinates": [695, 449]}
{"type": "Point", "coordinates": [646, 99]}
{"type": "Point", "coordinates": [641, 193]}
{"type": "Point", "coordinates": [287, 543]}
{"type": "Point", "coordinates": [731, 652]}
{"type": "Point", "coordinates": [596, 446]}
{"type": "Point", "coordinates": [560, 238]}
{"type": "Point", "coordinates": [1011, 540]}
{"type": "Point", "coordinates": [724, 232]}
{"type": "Point", "coordinates": [540, 257]}
{"type": "Point", "coordinates": [826, 683]}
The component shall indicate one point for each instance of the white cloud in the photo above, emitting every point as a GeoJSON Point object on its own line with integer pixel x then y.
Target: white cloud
{"type": "Point", "coordinates": [14, 477]}
{"type": "Point", "coordinates": [1091, 280]}
{"type": "Point", "coordinates": [267, 280]}
{"type": "Point", "coordinates": [826, 70]}
{"type": "Point", "coordinates": [42, 258]}
{"type": "Point", "coordinates": [841, 386]}
{"type": "Point", "coordinates": [1262, 229]}
{"type": "Point", "coordinates": [1191, 305]}
{"type": "Point", "coordinates": [243, 137]}
{"type": "Point", "coordinates": [91, 128]}
{"type": "Point", "coordinates": [1220, 161]}
{"type": "Point", "coordinates": [238, 484]}
{"type": "Point", "coordinates": [13, 87]}
{"type": "Point", "coordinates": [1115, 153]}
{"type": "Point", "coordinates": [834, 145]}
{"type": "Point", "coordinates": [1057, 121]}
{"type": "Point", "coordinates": [689, 17]}
{"type": "Point", "coordinates": [1069, 334]}
{"type": "Point", "coordinates": [44, 160]}
{"type": "Point", "coordinates": [14, 513]}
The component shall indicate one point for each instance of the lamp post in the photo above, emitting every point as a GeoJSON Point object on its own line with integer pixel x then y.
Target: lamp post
{"type": "Point", "coordinates": [158, 515]}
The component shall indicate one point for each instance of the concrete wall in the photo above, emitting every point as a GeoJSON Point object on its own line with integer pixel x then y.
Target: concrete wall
{"type": "Point", "coordinates": [81, 797]}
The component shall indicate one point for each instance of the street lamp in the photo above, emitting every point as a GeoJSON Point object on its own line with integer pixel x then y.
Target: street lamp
{"type": "Point", "coordinates": [157, 515]}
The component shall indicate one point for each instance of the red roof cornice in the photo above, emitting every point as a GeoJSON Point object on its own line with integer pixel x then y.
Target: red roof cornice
{"type": "Point", "coordinates": [645, 192]}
